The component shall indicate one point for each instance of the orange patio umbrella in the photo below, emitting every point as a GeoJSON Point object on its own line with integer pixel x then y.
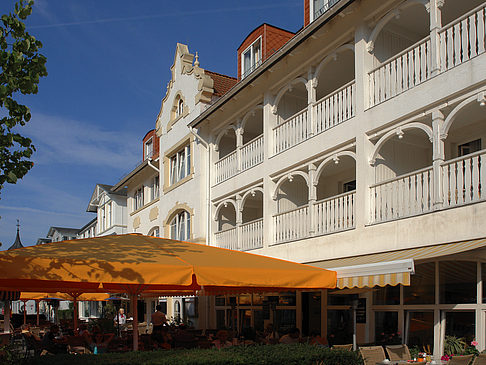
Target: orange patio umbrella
{"type": "Point", "coordinates": [134, 264]}
{"type": "Point", "coordinates": [91, 297]}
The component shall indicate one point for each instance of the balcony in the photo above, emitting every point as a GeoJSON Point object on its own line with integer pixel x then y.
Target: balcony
{"type": "Point", "coordinates": [326, 216]}
{"type": "Point", "coordinates": [331, 110]}
{"type": "Point", "coordinates": [458, 42]}
{"type": "Point", "coordinates": [463, 181]}
{"type": "Point", "coordinates": [248, 236]}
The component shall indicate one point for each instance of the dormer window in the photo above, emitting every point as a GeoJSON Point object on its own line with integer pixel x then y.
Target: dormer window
{"type": "Point", "coordinates": [321, 6]}
{"type": "Point", "coordinates": [251, 58]}
{"type": "Point", "coordinates": [149, 149]}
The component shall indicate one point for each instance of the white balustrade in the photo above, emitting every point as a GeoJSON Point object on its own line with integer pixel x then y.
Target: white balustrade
{"type": "Point", "coordinates": [291, 132]}
{"type": "Point", "coordinates": [227, 238]}
{"type": "Point", "coordinates": [403, 71]}
{"type": "Point", "coordinates": [463, 39]}
{"type": "Point", "coordinates": [251, 236]}
{"type": "Point", "coordinates": [334, 214]}
{"type": "Point", "coordinates": [252, 153]}
{"type": "Point", "coordinates": [226, 167]}
{"type": "Point", "coordinates": [291, 225]}
{"type": "Point", "coordinates": [336, 107]}
{"type": "Point", "coordinates": [403, 196]}
{"type": "Point", "coordinates": [464, 179]}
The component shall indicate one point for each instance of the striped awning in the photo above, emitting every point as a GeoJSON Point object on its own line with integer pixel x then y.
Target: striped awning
{"type": "Point", "coordinates": [389, 275]}
{"type": "Point", "coordinates": [374, 280]}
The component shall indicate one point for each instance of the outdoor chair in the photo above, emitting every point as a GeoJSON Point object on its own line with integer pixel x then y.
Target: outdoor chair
{"type": "Point", "coordinates": [480, 360]}
{"type": "Point", "coordinates": [77, 345]}
{"type": "Point", "coordinates": [460, 360]}
{"type": "Point", "coordinates": [372, 354]}
{"type": "Point", "coordinates": [347, 347]}
{"type": "Point", "coordinates": [32, 346]}
{"type": "Point", "coordinates": [398, 352]}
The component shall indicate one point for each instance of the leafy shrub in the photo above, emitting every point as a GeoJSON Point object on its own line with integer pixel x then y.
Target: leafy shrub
{"type": "Point", "coordinates": [299, 354]}
{"type": "Point", "coordinates": [454, 345]}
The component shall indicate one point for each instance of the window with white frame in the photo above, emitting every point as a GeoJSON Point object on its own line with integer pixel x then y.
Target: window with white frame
{"type": "Point", "coordinates": [180, 108]}
{"type": "Point", "coordinates": [102, 219]}
{"type": "Point", "coordinates": [109, 215]}
{"type": "Point", "coordinates": [251, 58]}
{"type": "Point", "coordinates": [155, 232]}
{"type": "Point", "coordinates": [149, 149]}
{"type": "Point", "coordinates": [138, 199]}
{"type": "Point", "coordinates": [155, 188]}
{"type": "Point", "coordinates": [180, 165]}
{"type": "Point", "coordinates": [321, 6]}
{"type": "Point", "coordinates": [180, 226]}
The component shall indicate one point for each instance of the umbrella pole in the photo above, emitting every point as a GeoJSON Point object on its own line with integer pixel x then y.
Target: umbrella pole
{"type": "Point", "coordinates": [25, 312]}
{"type": "Point", "coordinates": [6, 317]}
{"type": "Point", "coordinates": [75, 313]}
{"type": "Point", "coordinates": [133, 302]}
{"type": "Point", "coordinates": [37, 311]}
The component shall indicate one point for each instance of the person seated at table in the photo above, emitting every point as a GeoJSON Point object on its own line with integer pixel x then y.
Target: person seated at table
{"type": "Point", "coordinates": [270, 335]}
{"type": "Point", "coordinates": [316, 339]}
{"type": "Point", "coordinates": [221, 341]}
{"type": "Point", "coordinates": [293, 336]}
{"type": "Point", "coordinates": [52, 342]}
{"type": "Point", "coordinates": [99, 341]}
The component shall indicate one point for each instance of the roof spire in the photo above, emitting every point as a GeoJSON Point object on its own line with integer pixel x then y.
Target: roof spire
{"type": "Point", "coordinates": [17, 243]}
{"type": "Point", "coordinates": [196, 63]}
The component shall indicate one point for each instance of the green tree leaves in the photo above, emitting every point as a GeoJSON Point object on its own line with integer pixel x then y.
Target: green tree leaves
{"type": "Point", "coordinates": [21, 67]}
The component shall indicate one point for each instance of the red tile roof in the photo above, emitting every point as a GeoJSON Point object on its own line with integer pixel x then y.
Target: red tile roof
{"type": "Point", "coordinates": [222, 83]}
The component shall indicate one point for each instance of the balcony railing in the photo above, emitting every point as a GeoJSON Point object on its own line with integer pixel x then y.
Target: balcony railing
{"type": "Point", "coordinates": [335, 214]}
{"type": "Point", "coordinates": [403, 196]}
{"type": "Point", "coordinates": [251, 236]}
{"type": "Point", "coordinates": [336, 107]}
{"type": "Point", "coordinates": [329, 215]}
{"type": "Point", "coordinates": [460, 41]}
{"type": "Point", "coordinates": [464, 179]}
{"type": "Point", "coordinates": [226, 167]}
{"type": "Point", "coordinates": [403, 71]}
{"type": "Point", "coordinates": [291, 132]}
{"type": "Point", "coordinates": [227, 238]}
{"type": "Point", "coordinates": [252, 153]}
{"type": "Point", "coordinates": [291, 225]}
{"type": "Point", "coordinates": [463, 39]}
{"type": "Point", "coordinates": [248, 236]}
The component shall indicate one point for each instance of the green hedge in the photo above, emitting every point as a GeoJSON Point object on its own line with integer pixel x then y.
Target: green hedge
{"type": "Point", "coordinates": [242, 355]}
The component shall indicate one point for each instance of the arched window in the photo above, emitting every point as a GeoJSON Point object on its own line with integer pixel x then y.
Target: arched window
{"type": "Point", "coordinates": [180, 108]}
{"type": "Point", "coordinates": [155, 232]}
{"type": "Point", "coordinates": [177, 310]}
{"type": "Point", "coordinates": [180, 226]}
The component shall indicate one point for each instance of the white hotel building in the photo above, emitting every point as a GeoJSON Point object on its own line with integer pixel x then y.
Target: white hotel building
{"type": "Point", "coordinates": [356, 144]}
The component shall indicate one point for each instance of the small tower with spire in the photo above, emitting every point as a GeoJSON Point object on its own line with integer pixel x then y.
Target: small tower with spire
{"type": "Point", "coordinates": [17, 243]}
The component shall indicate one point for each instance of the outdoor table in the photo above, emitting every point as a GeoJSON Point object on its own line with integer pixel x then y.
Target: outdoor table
{"type": "Point", "coordinates": [402, 362]}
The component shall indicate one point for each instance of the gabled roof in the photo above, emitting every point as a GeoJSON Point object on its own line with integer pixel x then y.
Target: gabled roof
{"type": "Point", "coordinates": [89, 224]}
{"type": "Point", "coordinates": [63, 231]}
{"type": "Point", "coordinates": [222, 83]}
{"type": "Point", "coordinates": [93, 202]}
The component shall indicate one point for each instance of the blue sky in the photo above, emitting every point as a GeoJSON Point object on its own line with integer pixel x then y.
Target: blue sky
{"type": "Point", "coordinates": [108, 64]}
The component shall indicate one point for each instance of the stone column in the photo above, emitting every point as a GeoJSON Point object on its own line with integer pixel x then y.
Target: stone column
{"type": "Point", "coordinates": [311, 100]}
{"type": "Point", "coordinates": [434, 9]}
{"type": "Point", "coordinates": [364, 172]}
{"type": "Point", "coordinates": [239, 220]}
{"type": "Point", "coordinates": [438, 157]}
{"type": "Point", "coordinates": [239, 144]}
{"type": "Point", "coordinates": [312, 198]}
